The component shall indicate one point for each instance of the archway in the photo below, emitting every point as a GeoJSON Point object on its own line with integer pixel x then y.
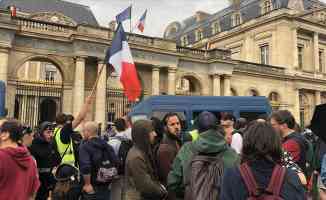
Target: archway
{"type": "Point", "coordinates": [189, 85]}
{"type": "Point", "coordinates": [253, 92]}
{"type": "Point", "coordinates": [48, 110]}
{"type": "Point", "coordinates": [233, 92]}
{"type": "Point", "coordinates": [38, 78]}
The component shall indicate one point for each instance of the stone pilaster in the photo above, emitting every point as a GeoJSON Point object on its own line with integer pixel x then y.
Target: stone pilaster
{"type": "Point", "coordinates": [295, 47]}
{"type": "Point", "coordinates": [171, 81]}
{"type": "Point", "coordinates": [316, 51]}
{"type": "Point", "coordinates": [4, 56]}
{"type": "Point", "coordinates": [155, 80]}
{"type": "Point", "coordinates": [296, 105]}
{"type": "Point", "coordinates": [216, 85]}
{"type": "Point", "coordinates": [317, 98]}
{"type": "Point", "coordinates": [100, 104]}
{"type": "Point", "coordinates": [227, 85]}
{"type": "Point", "coordinates": [79, 85]}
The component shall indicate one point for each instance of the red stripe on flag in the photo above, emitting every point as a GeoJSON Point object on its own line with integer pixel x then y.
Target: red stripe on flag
{"type": "Point", "coordinates": [130, 81]}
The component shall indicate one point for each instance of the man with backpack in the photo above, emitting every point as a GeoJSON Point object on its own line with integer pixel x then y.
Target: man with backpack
{"type": "Point", "coordinates": [294, 143]}
{"type": "Point", "coordinates": [98, 164]}
{"type": "Point", "coordinates": [198, 167]}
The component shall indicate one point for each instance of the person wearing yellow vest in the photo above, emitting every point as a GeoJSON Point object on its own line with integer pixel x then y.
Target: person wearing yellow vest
{"type": "Point", "coordinates": [64, 130]}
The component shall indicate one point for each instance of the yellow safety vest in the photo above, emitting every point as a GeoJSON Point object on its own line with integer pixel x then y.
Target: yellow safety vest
{"type": "Point", "coordinates": [69, 157]}
{"type": "Point", "coordinates": [194, 134]}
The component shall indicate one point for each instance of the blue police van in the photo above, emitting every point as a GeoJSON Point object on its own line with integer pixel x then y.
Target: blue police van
{"type": "Point", "coordinates": [189, 107]}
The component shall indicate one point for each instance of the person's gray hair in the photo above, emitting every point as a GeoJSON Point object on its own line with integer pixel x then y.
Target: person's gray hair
{"type": "Point", "coordinates": [91, 127]}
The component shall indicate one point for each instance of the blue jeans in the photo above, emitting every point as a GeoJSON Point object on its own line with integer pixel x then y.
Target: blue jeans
{"type": "Point", "coordinates": [101, 193]}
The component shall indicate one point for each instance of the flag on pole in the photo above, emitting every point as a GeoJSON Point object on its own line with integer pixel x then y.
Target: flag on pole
{"type": "Point", "coordinates": [141, 22]}
{"type": "Point", "coordinates": [119, 56]}
{"type": "Point", "coordinates": [124, 15]}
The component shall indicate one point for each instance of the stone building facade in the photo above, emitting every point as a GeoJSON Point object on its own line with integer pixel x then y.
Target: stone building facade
{"type": "Point", "coordinates": [50, 58]}
{"type": "Point", "coordinates": [285, 34]}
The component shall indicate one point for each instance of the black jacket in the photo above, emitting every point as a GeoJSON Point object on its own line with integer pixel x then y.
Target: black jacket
{"type": "Point", "coordinates": [44, 153]}
{"type": "Point", "coordinates": [90, 153]}
{"type": "Point", "coordinates": [234, 188]}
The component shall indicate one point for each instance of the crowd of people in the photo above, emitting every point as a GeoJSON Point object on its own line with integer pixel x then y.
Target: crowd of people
{"type": "Point", "coordinates": [220, 157]}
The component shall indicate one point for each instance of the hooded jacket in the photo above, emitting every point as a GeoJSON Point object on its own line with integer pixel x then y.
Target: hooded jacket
{"type": "Point", "coordinates": [90, 153]}
{"type": "Point", "coordinates": [209, 142]}
{"type": "Point", "coordinates": [18, 174]}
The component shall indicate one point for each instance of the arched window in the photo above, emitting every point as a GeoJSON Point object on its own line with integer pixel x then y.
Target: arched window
{"type": "Point", "coordinates": [233, 92]}
{"type": "Point", "coordinates": [253, 93]}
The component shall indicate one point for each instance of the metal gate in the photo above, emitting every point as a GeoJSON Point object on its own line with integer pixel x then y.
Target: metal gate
{"type": "Point", "coordinates": [117, 104]}
{"type": "Point", "coordinates": [37, 101]}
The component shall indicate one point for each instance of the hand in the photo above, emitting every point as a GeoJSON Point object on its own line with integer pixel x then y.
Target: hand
{"type": "Point", "coordinates": [88, 189]}
{"type": "Point", "coordinates": [89, 99]}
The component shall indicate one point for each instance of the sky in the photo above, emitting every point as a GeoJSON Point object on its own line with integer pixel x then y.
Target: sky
{"type": "Point", "coordinates": [160, 12]}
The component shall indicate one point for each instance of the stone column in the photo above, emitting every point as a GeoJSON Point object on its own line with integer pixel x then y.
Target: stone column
{"type": "Point", "coordinates": [100, 104]}
{"type": "Point", "coordinates": [227, 85]}
{"type": "Point", "coordinates": [296, 105]}
{"type": "Point", "coordinates": [216, 85]}
{"type": "Point", "coordinates": [79, 85]}
{"type": "Point", "coordinates": [171, 81]}
{"type": "Point", "coordinates": [4, 56]}
{"type": "Point", "coordinates": [316, 51]}
{"type": "Point", "coordinates": [317, 98]}
{"type": "Point", "coordinates": [295, 48]}
{"type": "Point", "coordinates": [155, 80]}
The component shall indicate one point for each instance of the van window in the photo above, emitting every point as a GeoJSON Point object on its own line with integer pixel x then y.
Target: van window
{"type": "Point", "coordinates": [182, 114]}
{"type": "Point", "coordinates": [250, 116]}
{"type": "Point", "coordinates": [218, 114]}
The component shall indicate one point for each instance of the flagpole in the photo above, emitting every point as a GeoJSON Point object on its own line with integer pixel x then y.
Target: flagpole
{"type": "Point", "coordinates": [131, 17]}
{"type": "Point", "coordinates": [97, 79]}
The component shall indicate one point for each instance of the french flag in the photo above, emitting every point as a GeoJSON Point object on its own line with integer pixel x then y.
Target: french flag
{"type": "Point", "coordinates": [120, 58]}
{"type": "Point", "coordinates": [141, 23]}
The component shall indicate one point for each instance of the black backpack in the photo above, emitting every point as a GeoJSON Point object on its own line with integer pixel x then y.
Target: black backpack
{"type": "Point", "coordinates": [125, 146]}
{"type": "Point", "coordinates": [106, 167]}
{"type": "Point", "coordinates": [204, 177]}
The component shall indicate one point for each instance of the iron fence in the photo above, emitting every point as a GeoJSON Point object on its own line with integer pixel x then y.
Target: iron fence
{"type": "Point", "coordinates": [37, 101]}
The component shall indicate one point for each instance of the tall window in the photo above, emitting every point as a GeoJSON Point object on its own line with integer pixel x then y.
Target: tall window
{"type": "Point", "coordinates": [267, 7]}
{"type": "Point", "coordinates": [215, 28]}
{"type": "Point", "coordinates": [237, 19]}
{"type": "Point", "coordinates": [264, 54]}
{"type": "Point", "coordinates": [50, 75]}
{"type": "Point", "coordinates": [199, 35]}
{"type": "Point", "coordinates": [184, 40]}
{"type": "Point", "coordinates": [321, 61]}
{"type": "Point", "coordinates": [300, 57]}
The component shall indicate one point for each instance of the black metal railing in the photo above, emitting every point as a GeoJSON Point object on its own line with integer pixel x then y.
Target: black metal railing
{"type": "Point", "coordinates": [117, 104]}
{"type": "Point", "coordinates": [37, 101]}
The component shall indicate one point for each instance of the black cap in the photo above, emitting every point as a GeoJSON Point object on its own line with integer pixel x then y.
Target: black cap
{"type": "Point", "coordinates": [206, 121]}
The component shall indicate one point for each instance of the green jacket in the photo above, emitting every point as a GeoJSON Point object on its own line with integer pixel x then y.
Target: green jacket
{"type": "Point", "coordinates": [209, 142]}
